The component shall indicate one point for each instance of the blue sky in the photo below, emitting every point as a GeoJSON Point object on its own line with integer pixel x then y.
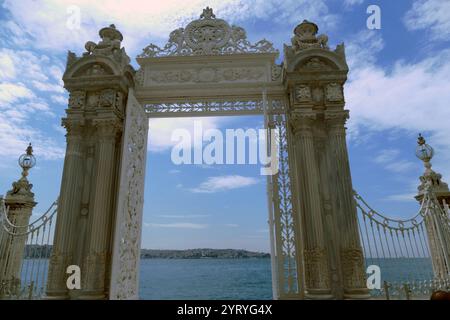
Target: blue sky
{"type": "Point", "coordinates": [399, 85]}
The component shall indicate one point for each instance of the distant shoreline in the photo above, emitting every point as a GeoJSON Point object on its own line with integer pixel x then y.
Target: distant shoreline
{"type": "Point", "coordinates": [36, 251]}
{"type": "Point", "coordinates": [202, 254]}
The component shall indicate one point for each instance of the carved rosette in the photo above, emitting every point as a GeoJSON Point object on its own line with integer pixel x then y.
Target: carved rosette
{"type": "Point", "coordinates": [353, 268]}
{"type": "Point", "coordinates": [77, 99]}
{"type": "Point", "coordinates": [316, 269]}
{"type": "Point", "coordinates": [334, 92]}
{"type": "Point", "coordinates": [302, 93]}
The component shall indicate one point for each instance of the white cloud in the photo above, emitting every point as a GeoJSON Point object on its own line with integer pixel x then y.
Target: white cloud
{"type": "Point", "coordinates": [224, 183]}
{"type": "Point", "coordinates": [7, 69]}
{"type": "Point", "coordinates": [45, 86]}
{"type": "Point", "coordinates": [179, 225]}
{"type": "Point", "coordinates": [22, 107]}
{"type": "Point", "coordinates": [46, 21]}
{"type": "Point", "coordinates": [12, 92]}
{"type": "Point", "coordinates": [59, 99]}
{"type": "Point", "coordinates": [349, 3]}
{"type": "Point", "coordinates": [406, 197]}
{"type": "Point", "coordinates": [232, 225]}
{"type": "Point", "coordinates": [430, 14]}
{"type": "Point", "coordinates": [363, 48]}
{"type": "Point", "coordinates": [14, 139]}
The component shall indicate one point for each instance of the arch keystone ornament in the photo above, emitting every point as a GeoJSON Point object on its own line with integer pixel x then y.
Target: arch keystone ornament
{"type": "Point", "coordinates": [208, 68]}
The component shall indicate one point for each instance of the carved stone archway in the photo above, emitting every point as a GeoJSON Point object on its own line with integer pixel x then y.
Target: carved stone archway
{"type": "Point", "coordinates": [208, 68]}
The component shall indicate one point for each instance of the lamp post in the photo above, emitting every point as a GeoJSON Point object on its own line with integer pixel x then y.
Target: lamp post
{"type": "Point", "coordinates": [27, 160]}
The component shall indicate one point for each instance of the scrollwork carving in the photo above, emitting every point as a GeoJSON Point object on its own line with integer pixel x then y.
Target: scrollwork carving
{"type": "Point", "coordinates": [207, 36]}
{"type": "Point", "coordinates": [124, 277]}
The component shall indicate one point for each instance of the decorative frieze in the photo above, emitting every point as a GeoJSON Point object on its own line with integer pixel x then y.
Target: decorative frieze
{"type": "Point", "coordinates": [206, 74]}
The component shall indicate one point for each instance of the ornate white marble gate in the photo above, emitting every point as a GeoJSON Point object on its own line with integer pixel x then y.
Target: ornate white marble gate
{"type": "Point", "coordinates": [208, 68]}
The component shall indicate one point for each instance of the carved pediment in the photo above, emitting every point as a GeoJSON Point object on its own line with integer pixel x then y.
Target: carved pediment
{"type": "Point", "coordinates": [93, 70]}
{"type": "Point", "coordinates": [316, 64]}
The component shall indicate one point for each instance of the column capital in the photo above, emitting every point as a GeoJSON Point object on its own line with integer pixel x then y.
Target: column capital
{"type": "Point", "coordinates": [107, 127]}
{"type": "Point", "coordinates": [74, 127]}
{"type": "Point", "coordinates": [302, 120]}
{"type": "Point", "coordinates": [336, 118]}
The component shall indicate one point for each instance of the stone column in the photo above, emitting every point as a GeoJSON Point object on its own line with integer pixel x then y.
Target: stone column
{"type": "Point", "coordinates": [98, 82]}
{"type": "Point", "coordinates": [317, 280]}
{"type": "Point", "coordinates": [68, 210]}
{"type": "Point", "coordinates": [350, 251]}
{"type": "Point", "coordinates": [97, 251]}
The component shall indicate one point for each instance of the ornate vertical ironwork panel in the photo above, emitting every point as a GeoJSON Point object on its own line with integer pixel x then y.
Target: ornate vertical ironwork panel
{"type": "Point", "coordinates": [289, 282]}
{"type": "Point", "coordinates": [127, 238]}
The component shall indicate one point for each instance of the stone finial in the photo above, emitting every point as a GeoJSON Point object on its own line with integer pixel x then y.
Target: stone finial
{"type": "Point", "coordinates": [207, 14]}
{"type": "Point", "coordinates": [305, 36]}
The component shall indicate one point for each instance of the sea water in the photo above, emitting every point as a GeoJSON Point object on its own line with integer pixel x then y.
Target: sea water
{"type": "Point", "coordinates": [243, 278]}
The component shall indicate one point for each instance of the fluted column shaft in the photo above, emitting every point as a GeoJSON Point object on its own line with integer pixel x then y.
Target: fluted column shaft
{"type": "Point", "coordinates": [350, 251]}
{"type": "Point", "coordinates": [316, 264]}
{"type": "Point", "coordinates": [68, 210]}
{"type": "Point", "coordinates": [97, 254]}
